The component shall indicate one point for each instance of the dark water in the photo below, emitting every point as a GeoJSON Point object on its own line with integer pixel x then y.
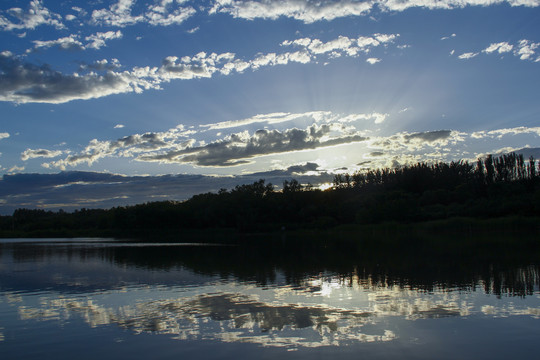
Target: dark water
{"type": "Point", "coordinates": [98, 298]}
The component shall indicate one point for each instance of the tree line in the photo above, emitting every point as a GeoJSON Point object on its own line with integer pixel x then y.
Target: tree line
{"type": "Point", "coordinates": [507, 185]}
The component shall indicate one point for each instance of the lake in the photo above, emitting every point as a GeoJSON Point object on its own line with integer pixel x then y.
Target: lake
{"type": "Point", "coordinates": [109, 299]}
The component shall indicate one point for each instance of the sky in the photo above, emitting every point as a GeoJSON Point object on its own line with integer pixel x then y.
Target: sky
{"type": "Point", "coordinates": [240, 88]}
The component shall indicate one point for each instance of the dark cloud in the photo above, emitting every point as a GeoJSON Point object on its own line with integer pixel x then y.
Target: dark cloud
{"type": "Point", "coordinates": [376, 153]}
{"type": "Point", "coordinates": [36, 153]}
{"type": "Point", "coordinates": [528, 152]}
{"type": "Point", "coordinates": [301, 169]}
{"type": "Point", "coordinates": [239, 148]}
{"type": "Point", "coordinates": [76, 189]}
{"type": "Point", "coordinates": [429, 136]}
{"type": "Point", "coordinates": [25, 82]}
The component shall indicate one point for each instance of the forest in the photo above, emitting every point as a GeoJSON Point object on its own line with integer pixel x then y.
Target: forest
{"type": "Point", "coordinates": [491, 188]}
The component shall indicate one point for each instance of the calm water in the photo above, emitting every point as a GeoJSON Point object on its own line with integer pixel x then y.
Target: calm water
{"type": "Point", "coordinates": [98, 298]}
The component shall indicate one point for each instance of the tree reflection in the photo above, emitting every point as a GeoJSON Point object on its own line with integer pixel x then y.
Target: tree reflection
{"type": "Point", "coordinates": [498, 267]}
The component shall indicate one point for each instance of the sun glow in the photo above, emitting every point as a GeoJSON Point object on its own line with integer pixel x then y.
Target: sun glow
{"type": "Point", "coordinates": [325, 186]}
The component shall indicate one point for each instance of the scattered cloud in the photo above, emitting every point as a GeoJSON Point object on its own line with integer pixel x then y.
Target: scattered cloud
{"type": "Point", "coordinates": [412, 142]}
{"type": "Point", "coordinates": [4, 135]}
{"type": "Point", "coordinates": [15, 169]}
{"type": "Point", "coordinates": [66, 43]}
{"type": "Point", "coordinates": [448, 37]}
{"type": "Point", "coordinates": [162, 13]}
{"type": "Point", "coordinates": [25, 82]}
{"type": "Point", "coordinates": [72, 42]}
{"type": "Point", "coordinates": [342, 45]}
{"type": "Point", "coordinates": [466, 56]}
{"type": "Point", "coordinates": [97, 41]}
{"type": "Point", "coordinates": [101, 65]}
{"type": "Point", "coordinates": [502, 47]}
{"type": "Point", "coordinates": [118, 126]}
{"type": "Point", "coordinates": [128, 146]}
{"type": "Point", "coordinates": [36, 14]}
{"type": "Point", "coordinates": [118, 14]}
{"type": "Point", "coordinates": [373, 61]}
{"type": "Point", "coordinates": [499, 133]}
{"type": "Point", "coordinates": [524, 49]}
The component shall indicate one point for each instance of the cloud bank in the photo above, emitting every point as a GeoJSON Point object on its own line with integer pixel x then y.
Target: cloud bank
{"type": "Point", "coordinates": [310, 11]}
{"type": "Point", "coordinates": [238, 148]}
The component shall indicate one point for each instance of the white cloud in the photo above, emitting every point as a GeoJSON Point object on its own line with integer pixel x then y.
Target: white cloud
{"type": "Point", "coordinates": [119, 126]}
{"type": "Point", "coordinates": [448, 37]}
{"type": "Point", "coordinates": [118, 14]}
{"type": "Point", "coordinates": [273, 118]}
{"type": "Point", "coordinates": [15, 169]}
{"type": "Point", "coordinates": [502, 47]}
{"type": "Point", "coordinates": [97, 41]}
{"type": "Point", "coordinates": [306, 11]}
{"type": "Point", "coordinates": [4, 135]}
{"type": "Point", "coordinates": [72, 42]}
{"type": "Point", "coordinates": [467, 56]}
{"type": "Point", "coordinates": [101, 65]}
{"type": "Point", "coordinates": [499, 133]}
{"type": "Point", "coordinates": [308, 117]}
{"type": "Point", "coordinates": [342, 45]}
{"type": "Point", "coordinates": [163, 13]}
{"type": "Point", "coordinates": [34, 16]}
{"type": "Point", "coordinates": [160, 15]}
{"type": "Point", "coordinates": [127, 146]}
{"type": "Point", "coordinates": [373, 61]}
{"type": "Point", "coordinates": [377, 118]}
{"type": "Point", "coordinates": [524, 49]}
{"type": "Point", "coordinates": [400, 5]}
{"type": "Point", "coordinates": [310, 11]}
{"type": "Point", "coordinates": [66, 43]}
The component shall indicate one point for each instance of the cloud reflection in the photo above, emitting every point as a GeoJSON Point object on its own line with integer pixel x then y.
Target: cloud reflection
{"type": "Point", "coordinates": [302, 316]}
{"type": "Point", "coordinates": [228, 317]}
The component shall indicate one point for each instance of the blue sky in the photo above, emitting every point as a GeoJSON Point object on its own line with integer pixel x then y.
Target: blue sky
{"type": "Point", "coordinates": [239, 87]}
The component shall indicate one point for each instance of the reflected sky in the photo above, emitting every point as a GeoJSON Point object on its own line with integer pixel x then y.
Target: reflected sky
{"type": "Point", "coordinates": [87, 290]}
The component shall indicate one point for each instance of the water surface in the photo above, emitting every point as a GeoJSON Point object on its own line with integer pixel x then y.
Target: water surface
{"type": "Point", "coordinates": [92, 298]}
